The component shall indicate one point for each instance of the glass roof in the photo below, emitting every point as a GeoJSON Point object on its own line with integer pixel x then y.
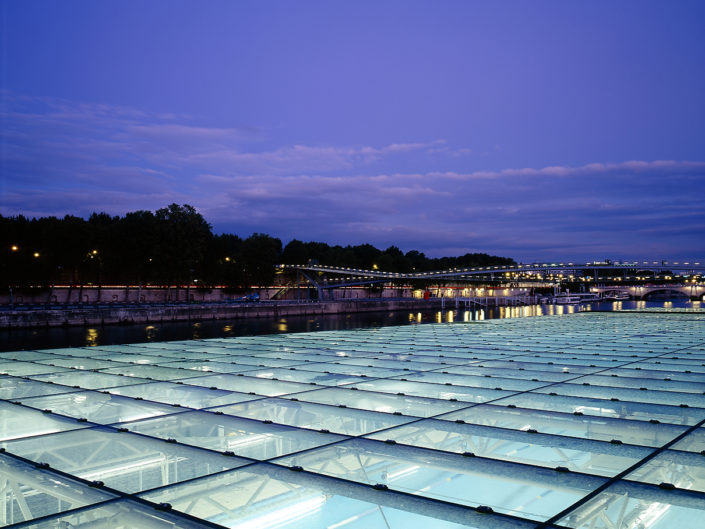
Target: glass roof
{"type": "Point", "coordinates": [586, 420]}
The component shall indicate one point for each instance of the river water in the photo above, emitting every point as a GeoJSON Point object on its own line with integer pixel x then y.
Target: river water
{"type": "Point", "coordinates": [44, 338]}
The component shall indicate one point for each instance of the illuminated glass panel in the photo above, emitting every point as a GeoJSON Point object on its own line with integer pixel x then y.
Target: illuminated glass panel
{"type": "Point", "coordinates": [345, 421]}
{"type": "Point", "coordinates": [577, 455]}
{"type": "Point", "coordinates": [98, 407]}
{"type": "Point", "coordinates": [29, 492]}
{"type": "Point", "coordinates": [265, 496]}
{"type": "Point", "coordinates": [123, 514]}
{"type": "Point", "coordinates": [18, 421]}
{"type": "Point", "coordinates": [244, 437]}
{"type": "Point", "coordinates": [122, 460]}
{"type": "Point", "coordinates": [627, 505]}
{"type": "Point", "coordinates": [586, 420]}
{"type": "Point", "coordinates": [182, 394]}
{"type": "Point", "coordinates": [534, 493]}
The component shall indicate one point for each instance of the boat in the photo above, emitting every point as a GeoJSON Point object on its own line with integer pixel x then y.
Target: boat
{"type": "Point", "coordinates": [616, 296]}
{"type": "Point", "coordinates": [566, 299]}
{"type": "Point", "coordinates": [570, 299]}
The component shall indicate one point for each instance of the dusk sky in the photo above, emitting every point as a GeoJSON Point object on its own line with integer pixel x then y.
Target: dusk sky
{"type": "Point", "coordinates": [534, 130]}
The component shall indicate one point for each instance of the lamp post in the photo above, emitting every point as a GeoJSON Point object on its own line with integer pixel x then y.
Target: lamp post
{"type": "Point", "coordinates": [94, 255]}
{"type": "Point", "coordinates": [14, 250]}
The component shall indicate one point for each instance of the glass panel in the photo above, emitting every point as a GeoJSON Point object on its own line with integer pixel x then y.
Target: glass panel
{"type": "Point", "coordinates": [436, 391]}
{"type": "Point", "coordinates": [346, 421]}
{"type": "Point", "coordinates": [668, 366]}
{"type": "Point", "coordinates": [83, 380]}
{"type": "Point", "coordinates": [26, 356]}
{"type": "Point", "coordinates": [187, 355]}
{"type": "Point", "coordinates": [405, 363]}
{"type": "Point", "coordinates": [17, 368]}
{"type": "Point", "coordinates": [693, 442]}
{"type": "Point", "coordinates": [81, 363]}
{"type": "Point", "coordinates": [245, 384]}
{"type": "Point", "coordinates": [673, 374]}
{"type": "Point", "coordinates": [359, 371]}
{"type": "Point", "coordinates": [638, 383]}
{"type": "Point", "coordinates": [182, 394]}
{"type": "Point", "coordinates": [19, 421]}
{"type": "Point", "coordinates": [267, 497]}
{"type": "Point", "coordinates": [299, 375]}
{"type": "Point", "coordinates": [129, 348]}
{"type": "Point", "coordinates": [210, 366]}
{"type": "Point", "coordinates": [532, 493]}
{"type": "Point", "coordinates": [298, 358]}
{"type": "Point", "coordinates": [123, 461]}
{"type": "Point", "coordinates": [634, 395]}
{"type": "Point", "coordinates": [12, 388]}
{"type": "Point", "coordinates": [431, 357]}
{"type": "Point", "coordinates": [99, 407]}
{"type": "Point", "coordinates": [627, 505]}
{"type": "Point", "coordinates": [29, 492]}
{"type": "Point", "coordinates": [261, 361]}
{"type": "Point", "coordinates": [150, 371]}
{"type": "Point", "coordinates": [579, 455]}
{"type": "Point", "coordinates": [244, 437]}
{"type": "Point", "coordinates": [130, 356]}
{"type": "Point", "coordinates": [123, 514]}
{"type": "Point", "coordinates": [520, 373]}
{"type": "Point", "coordinates": [639, 411]}
{"type": "Point", "coordinates": [685, 470]}
{"type": "Point", "coordinates": [385, 403]}
{"type": "Point", "coordinates": [511, 384]}
{"type": "Point", "coordinates": [587, 427]}
{"type": "Point", "coordinates": [70, 351]}
{"type": "Point", "coordinates": [543, 367]}
{"type": "Point", "coordinates": [592, 362]}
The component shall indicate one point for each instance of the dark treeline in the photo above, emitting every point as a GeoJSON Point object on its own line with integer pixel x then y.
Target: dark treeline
{"type": "Point", "coordinates": [175, 245]}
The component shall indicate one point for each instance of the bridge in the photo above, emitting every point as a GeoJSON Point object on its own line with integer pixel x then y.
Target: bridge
{"type": "Point", "coordinates": [647, 291]}
{"type": "Point", "coordinates": [325, 277]}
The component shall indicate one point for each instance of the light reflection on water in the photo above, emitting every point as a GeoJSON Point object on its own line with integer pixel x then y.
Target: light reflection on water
{"type": "Point", "coordinates": [16, 339]}
{"type": "Point", "coordinates": [92, 337]}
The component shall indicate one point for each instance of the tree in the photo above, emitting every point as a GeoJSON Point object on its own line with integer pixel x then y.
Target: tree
{"type": "Point", "coordinates": [224, 264]}
{"type": "Point", "coordinates": [183, 237]}
{"type": "Point", "coordinates": [260, 253]}
{"type": "Point", "coordinates": [136, 238]}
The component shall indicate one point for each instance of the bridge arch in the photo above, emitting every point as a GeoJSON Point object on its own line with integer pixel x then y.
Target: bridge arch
{"type": "Point", "coordinates": [664, 294]}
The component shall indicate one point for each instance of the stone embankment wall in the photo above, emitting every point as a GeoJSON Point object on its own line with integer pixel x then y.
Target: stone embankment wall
{"type": "Point", "coordinates": [105, 314]}
{"type": "Point", "coordinates": [151, 294]}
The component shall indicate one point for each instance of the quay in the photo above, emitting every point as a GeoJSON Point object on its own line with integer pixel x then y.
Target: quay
{"type": "Point", "coordinates": [111, 314]}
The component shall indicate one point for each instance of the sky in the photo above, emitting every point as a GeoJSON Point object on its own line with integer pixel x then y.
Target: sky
{"type": "Point", "coordinates": [533, 130]}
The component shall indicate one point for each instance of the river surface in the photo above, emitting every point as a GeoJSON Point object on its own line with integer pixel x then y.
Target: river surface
{"type": "Point", "coordinates": [45, 338]}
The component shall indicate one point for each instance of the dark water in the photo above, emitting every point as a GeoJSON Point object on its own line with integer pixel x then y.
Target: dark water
{"type": "Point", "coordinates": [45, 338]}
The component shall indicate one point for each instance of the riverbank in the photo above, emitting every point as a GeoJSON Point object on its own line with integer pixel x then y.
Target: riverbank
{"type": "Point", "coordinates": [94, 315]}
{"type": "Point", "coordinates": [109, 315]}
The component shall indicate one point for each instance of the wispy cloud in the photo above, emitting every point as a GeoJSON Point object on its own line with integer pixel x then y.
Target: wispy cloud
{"type": "Point", "coordinates": [653, 168]}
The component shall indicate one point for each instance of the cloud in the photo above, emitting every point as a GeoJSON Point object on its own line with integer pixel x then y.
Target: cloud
{"type": "Point", "coordinates": [653, 168]}
{"type": "Point", "coordinates": [298, 158]}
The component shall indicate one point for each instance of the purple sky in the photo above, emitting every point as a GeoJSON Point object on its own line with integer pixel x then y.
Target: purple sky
{"type": "Point", "coordinates": [534, 130]}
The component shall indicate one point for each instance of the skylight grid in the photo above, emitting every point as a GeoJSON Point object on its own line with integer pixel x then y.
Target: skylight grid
{"type": "Point", "coordinates": [591, 420]}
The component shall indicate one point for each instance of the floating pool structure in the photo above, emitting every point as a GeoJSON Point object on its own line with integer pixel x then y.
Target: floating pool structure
{"type": "Point", "coordinates": [589, 420]}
